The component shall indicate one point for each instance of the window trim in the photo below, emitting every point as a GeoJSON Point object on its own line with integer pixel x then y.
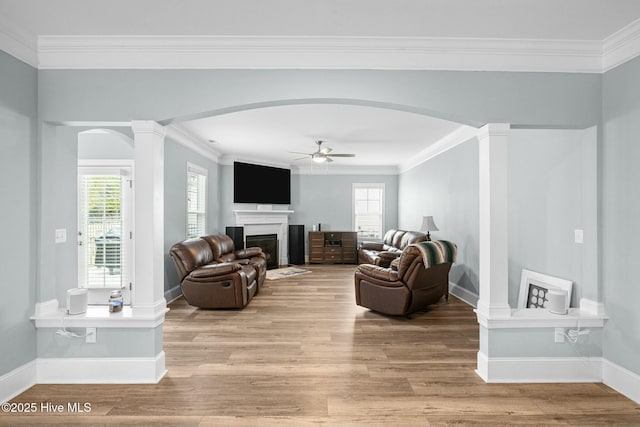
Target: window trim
{"type": "Point", "coordinates": [196, 169]}
{"type": "Point", "coordinates": [358, 185]}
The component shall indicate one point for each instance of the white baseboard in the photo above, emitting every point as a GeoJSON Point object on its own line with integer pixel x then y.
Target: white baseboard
{"type": "Point", "coordinates": [15, 382]}
{"type": "Point", "coordinates": [101, 370]}
{"type": "Point", "coordinates": [463, 294]}
{"type": "Point", "coordinates": [539, 369]}
{"type": "Point", "coordinates": [621, 380]}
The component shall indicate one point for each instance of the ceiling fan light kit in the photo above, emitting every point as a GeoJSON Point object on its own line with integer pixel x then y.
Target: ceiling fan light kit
{"type": "Point", "coordinates": [322, 155]}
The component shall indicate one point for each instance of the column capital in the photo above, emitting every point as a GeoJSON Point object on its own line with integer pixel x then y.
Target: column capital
{"type": "Point", "coordinates": [148, 126]}
{"type": "Point", "coordinates": [493, 129]}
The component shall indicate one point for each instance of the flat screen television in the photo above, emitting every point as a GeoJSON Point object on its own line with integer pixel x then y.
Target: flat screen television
{"type": "Point", "coordinates": [261, 184]}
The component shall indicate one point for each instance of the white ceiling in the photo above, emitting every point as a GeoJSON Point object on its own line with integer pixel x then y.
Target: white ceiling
{"type": "Point", "coordinates": [376, 136]}
{"type": "Point", "coordinates": [514, 35]}
{"type": "Point", "coordinates": [512, 19]}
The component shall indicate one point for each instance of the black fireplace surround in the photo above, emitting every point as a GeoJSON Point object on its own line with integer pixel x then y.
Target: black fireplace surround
{"type": "Point", "coordinates": [269, 245]}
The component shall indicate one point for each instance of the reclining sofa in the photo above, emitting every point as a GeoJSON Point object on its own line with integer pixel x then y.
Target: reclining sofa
{"type": "Point", "coordinates": [417, 279]}
{"type": "Point", "coordinates": [214, 275]}
{"type": "Point", "coordinates": [393, 244]}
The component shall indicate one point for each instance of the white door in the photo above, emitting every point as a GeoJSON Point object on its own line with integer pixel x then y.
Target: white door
{"type": "Point", "coordinates": [105, 234]}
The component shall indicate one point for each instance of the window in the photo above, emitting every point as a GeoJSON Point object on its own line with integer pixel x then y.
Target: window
{"type": "Point", "coordinates": [368, 210]}
{"type": "Point", "coordinates": [196, 200]}
{"type": "Point", "coordinates": [105, 228]}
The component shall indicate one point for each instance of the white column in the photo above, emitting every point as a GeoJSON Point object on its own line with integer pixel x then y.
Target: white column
{"type": "Point", "coordinates": [148, 285]}
{"type": "Point", "coordinates": [494, 245]}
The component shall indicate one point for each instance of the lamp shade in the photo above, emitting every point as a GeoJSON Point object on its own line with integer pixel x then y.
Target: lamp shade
{"type": "Point", "coordinates": [428, 224]}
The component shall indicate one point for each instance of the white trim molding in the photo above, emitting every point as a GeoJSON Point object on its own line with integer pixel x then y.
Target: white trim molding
{"type": "Point", "coordinates": [102, 370]}
{"type": "Point", "coordinates": [20, 379]}
{"type": "Point", "coordinates": [186, 138]}
{"type": "Point", "coordinates": [621, 380]}
{"type": "Point", "coordinates": [49, 315]}
{"type": "Point", "coordinates": [539, 369]}
{"type": "Point", "coordinates": [459, 136]}
{"type": "Point", "coordinates": [559, 370]}
{"type": "Point", "coordinates": [621, 46]}
{"type": "Point", "coordinates": [318, 52]}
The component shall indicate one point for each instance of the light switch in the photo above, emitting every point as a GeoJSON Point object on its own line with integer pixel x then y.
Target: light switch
{"type": "Point", "coordinates": [579, 236]}
{"type": "Point", "coordinates": [61, 235]}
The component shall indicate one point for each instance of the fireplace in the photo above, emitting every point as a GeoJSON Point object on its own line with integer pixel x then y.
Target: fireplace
{"type": "Point", "coordinates": [259, 222]}
{"type": "Point", "coordinates": [269, 245]}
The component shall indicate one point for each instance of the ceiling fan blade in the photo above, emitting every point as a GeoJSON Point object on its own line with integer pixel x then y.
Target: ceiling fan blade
{"type": "Point", "coordinates": [298, 152]}
{"type": "Point", "coordinates": [341, 155]}
{"type": "Point", "coordinates": [325, 150]}
{"type": "Point", "coordinates": [301, 158]}
{"type": "Point", "coordinates": [328, 159]}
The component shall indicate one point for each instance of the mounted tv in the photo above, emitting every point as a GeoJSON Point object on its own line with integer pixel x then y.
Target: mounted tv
{"type": "Point", "coordinates": [261, 184]}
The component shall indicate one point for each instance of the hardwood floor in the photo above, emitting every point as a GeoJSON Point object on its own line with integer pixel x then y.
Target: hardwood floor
{"type": "Point", "coordinates": [303, 354]}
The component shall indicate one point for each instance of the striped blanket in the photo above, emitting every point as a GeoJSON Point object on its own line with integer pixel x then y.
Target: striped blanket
{"type": "Point", "coordinates": [437, 252]}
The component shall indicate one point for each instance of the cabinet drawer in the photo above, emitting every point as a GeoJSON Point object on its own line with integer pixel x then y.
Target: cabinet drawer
{"type": "Point", "coordinates": [332, 251]}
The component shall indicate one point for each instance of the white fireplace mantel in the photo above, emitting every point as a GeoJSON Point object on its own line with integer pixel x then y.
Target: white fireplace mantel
{"type": "Point", "coordinates": [257, 222]}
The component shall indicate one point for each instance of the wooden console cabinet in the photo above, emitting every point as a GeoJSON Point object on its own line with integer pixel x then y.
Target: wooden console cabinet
{"type": "Point", "coordinates": [332, 247]}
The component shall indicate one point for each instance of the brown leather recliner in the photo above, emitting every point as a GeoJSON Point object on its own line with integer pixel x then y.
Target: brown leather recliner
{"type": "Point", "coordinates": [391, 247]}
{"type": "Point", "coordinates": [223, 251]}
{"type": "Point", "coordinates": [207, 283]}
{"type": "Point", "coordinates": [410, 287]}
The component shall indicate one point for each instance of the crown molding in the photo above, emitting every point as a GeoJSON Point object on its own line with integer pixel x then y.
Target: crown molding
{"type": "Point", "coordinates": [318, 52]}
{"type": "Point", "coordinates": [18, 43]}
{"type": "Point", "coordinates": [461, 135]}
{"type": "Point", "coordinates": [314, 169]}
{"type": "Point", "coordinates": [184, 137]}
{"type": "Point", "coordinates": [332, 169]}
{"type": "Point", "coordinates": [621, 46]}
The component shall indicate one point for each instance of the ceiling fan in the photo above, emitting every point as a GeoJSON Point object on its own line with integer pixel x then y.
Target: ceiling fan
{"type": "Point", "coordinates": [321, 155]}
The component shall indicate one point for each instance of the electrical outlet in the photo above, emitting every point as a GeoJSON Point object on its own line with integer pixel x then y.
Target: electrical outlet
{"type": "Point", "coordinates": [61, 235]}
{"type": "Point", "coordinates": [91, 335]}
{"type": "Point", "coordinates": [559, 335]}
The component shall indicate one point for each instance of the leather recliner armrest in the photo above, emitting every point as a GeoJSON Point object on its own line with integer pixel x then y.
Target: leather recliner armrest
{"type": "Point", "coordinates": [249, 252]}
{"type": "Point", "coordinates": [213, 270]}
{"type": "Point", "coordinates": [372, 245]}
{"type": "Point", "coordinates": [390, 255]}
{"type": "Point", "coordinates": [379, 273]}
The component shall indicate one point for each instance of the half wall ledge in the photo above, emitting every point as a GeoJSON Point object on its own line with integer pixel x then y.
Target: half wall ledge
{"type": "Point", "coordinates": [48, 314]}
{"type": "Point", "coordinates": [590, 314]}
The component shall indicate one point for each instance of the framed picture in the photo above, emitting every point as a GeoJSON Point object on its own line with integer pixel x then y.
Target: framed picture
{"type": "Point", "coordinates": [534, 287]}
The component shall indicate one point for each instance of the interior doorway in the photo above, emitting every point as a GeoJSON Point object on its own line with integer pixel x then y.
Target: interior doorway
{"type": "Point", "coordinates": [105, 229]}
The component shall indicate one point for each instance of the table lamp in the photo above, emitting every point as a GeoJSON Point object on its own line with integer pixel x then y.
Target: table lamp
{"type": "Point", "coordinates": [428, 225]}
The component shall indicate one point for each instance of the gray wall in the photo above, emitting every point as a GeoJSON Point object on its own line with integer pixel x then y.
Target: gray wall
{"type": "Point", "coordinates": [18, 174]}
{"type": "Point", "coordinates": [552, 192]}
{"type": "Point", "coordinates": [447, 187]}
{"type": "Point", "coordinates": [620, 210]}
{"type": "Point", "coordinates": [327, 200]}
{"type": "Point", "coordinates": [176, 157]}
{"type": "Point", "coordinates": [105, 144]}
{"type": "Point", "coordinates": [110, 342]}
{"type": "Point", "coordinates": [522, 98]}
